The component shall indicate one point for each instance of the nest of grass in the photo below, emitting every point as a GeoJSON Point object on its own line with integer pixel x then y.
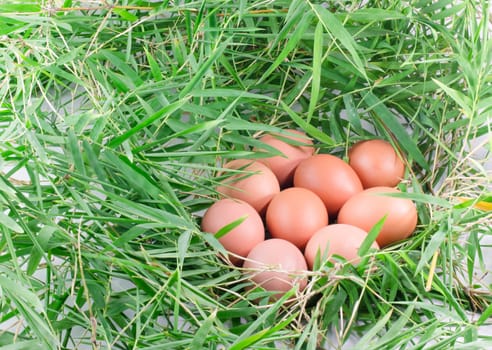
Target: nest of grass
{"type": "Point", "coordinates": [114, 118]}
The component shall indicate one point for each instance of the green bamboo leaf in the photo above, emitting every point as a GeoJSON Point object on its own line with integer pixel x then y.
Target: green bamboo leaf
{"type": "Point", "coordinates": [23, 345]}
{"type": "Point", "coordinates": [183, 245]}
{"type": "Point", "coordinates": [456, 309]}
{"type": "Point", "coordinates": [338, 32]}
{"type": "Point", "coordinates": [373, 332]}
{"type": "Point", "coordinates": [317, 62]}
{"type": "Point", "coordinates": [294, 39]}
{"type": "Point", "coordinates": [117, 61]}
{"type": "Point", "coordinates": [204, 67]}
{"type": "Point", "coordinates": [225, 93]}
{"type": "Point", "coordinates": [463, 101]}
{"type": "Point", "coordinates": [136, 176]}
{"type": "Point", "coordinates": [352, 115]}
{"type": "Point", "coordinates": [398, 326]}
{"type": "Point", "coordinates": [163, 218]}
{"type": "Point", "coordinates": [231, 71]}
{"type": "Point", "coordinates": [422, 198]}
{"type": "Point", "coordinates": [127, 16]}
{"type": "Point", "coordinates": [8, 222]}
{"type": "Point", "coordinates": [313, 335]}
{"type": "Point", "coordinates": [30, 308]}
{"type": "Point", "coordinates": [38, 149]}
{"type": "Point", "coordinates": [20, 7]}
{"type": "Point", "coordinates": [163, 112]}
{"type": "Point", "coordinates": [366, 15]}
{"type": "Point", "coordinates": [485, 316]}
{"type": "Point", "coordinates": [431, 248]}
{"type": "Point", "coordinates": [200, 337]}
{"type": "Point", "coordinates": [308, 128]}
{"type": "Point", "coordinates": [93, 161]}
{"type": "Point", "coordinates": [154, 66]}
{"type": "Point", "coordinates": [229, 227]}
{"type": "Point", "coordinates": [474, 256]}
{"type": "Point", "coordinates": [57, 72]}
{"type": "Point", "coordinates": [9, 25]}
{"type": "Point", "coordinates": [242, 341]}
{"type": "Point", "coordinates": [371, 237]}
{"type": "Point", "coordinates": [5, 188]}
{"type": "Point", "coordinates": [262, 334]}
{"type": "Point", "coordinates": [73, 146]}
{"type": "Point", "coordinates": [132, 233]}
{"type": "Point", "coordinates": [241, 124]}
{"type": "Point", "coordinates": [40, 246]}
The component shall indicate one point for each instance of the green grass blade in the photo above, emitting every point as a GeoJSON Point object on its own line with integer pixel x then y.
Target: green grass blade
{"type": "Point", "coordinates": [291, 44]}
{"type": "Point", "coordinates": [163, 112]}
{"type": "Point", "coordinates": [308, 128]}
{"type": "Point", "coordinates": [317, 62]}
{"type": "Point", "coordinates": [338, 32]}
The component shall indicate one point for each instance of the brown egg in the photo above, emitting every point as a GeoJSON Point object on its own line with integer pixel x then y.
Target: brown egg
{"type": "Point", "coordinates": [284, 166]}
{"type": "Point", "coordinates": [338, 239]}
{"type": "Point", "coordinates": [276, 265]}
{"type": "Point", "coordinates": [241, 239]}
{"type": "Point", "coordinates": [365, 209]}
{"type": "Point", "coordinates": [256, 186]}
{"type": "Point", "coordinates": [376, 163]}
{"type": "Point", "coordinates": [333, 180]}
{"type": "Point", "coordinates": [295, 214]}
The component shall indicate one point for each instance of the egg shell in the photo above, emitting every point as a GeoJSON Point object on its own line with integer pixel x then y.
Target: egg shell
{"type": "Point", "coordinates": [365, 209]}
{"type": "Point", "coordinates": [256, 186]}
{"type": "Point", "coordinates": [295, 214]}
{"type": "Point", "coordinates": [376, 163]}
{"type": "Point", "coordinates": [333, 180]}
{"type": "Point", "coordinates": [337, 239]}
{"type": "Point", "coordinates": [241, 239]}
{"type": "Point", "coordinates": [277, 265]}
{"type": "Point", "coordinates": [284, 166]}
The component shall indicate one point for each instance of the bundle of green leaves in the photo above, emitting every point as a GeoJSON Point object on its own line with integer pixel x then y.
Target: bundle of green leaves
{"type": "Point", "coordinates": [115, 119]}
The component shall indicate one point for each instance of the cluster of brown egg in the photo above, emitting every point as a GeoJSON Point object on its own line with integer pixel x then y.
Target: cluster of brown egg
{"type": "Point", "coordinates": [277, 215]}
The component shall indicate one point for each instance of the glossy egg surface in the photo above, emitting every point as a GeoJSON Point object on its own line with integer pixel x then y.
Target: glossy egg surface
{"type": "Point", "coordinates": [295, 214]}
{"type": "Point", "coordinates": [333, 180]}
{"type": "Point", "coordinates": [276, 265]}
{"type": "Point", "coordinates": [376, 163]}
{"type": "Point", "coordinates": [256, 184]}
{"type": "Point", "coordinates": [241, 239]}
{"type": "Point", "coordinates": [365, 209]}
{"type": "Point", "coordinates": [283, 166]}
{"type": "Point", "coordinates": [337, 239]}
